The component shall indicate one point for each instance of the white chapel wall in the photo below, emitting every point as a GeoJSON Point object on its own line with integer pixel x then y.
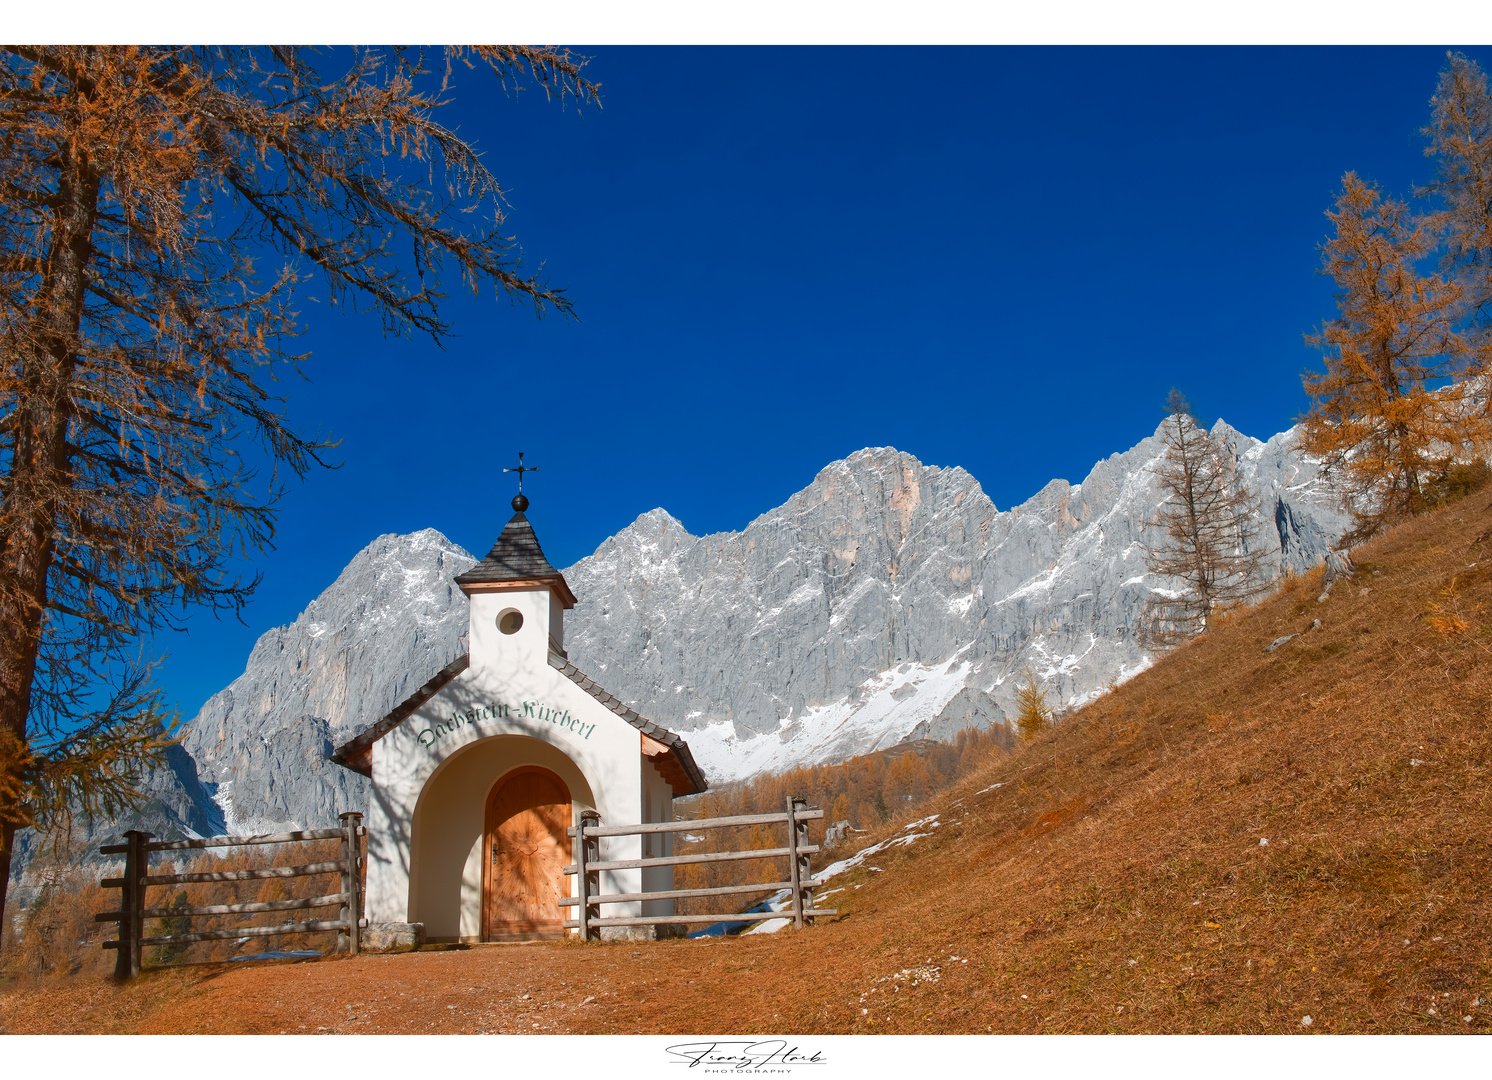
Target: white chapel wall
{"type": "Point", "coordinates": [513, 691]}
{"type": "Point", "coordinates": [529, 647]}
{"type": "Point", "coordinates": [556, 620]}
{"type": "Point", "coordinates": [657, 799]}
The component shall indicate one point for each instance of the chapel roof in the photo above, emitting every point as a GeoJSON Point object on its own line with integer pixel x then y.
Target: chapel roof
{"type": "Point", "coordinates": [357, 752]}
{"type": "Point", "coordinates": [516, 559]}
{"type": "Point", "coordinates": [674, 762]}
{"type": "Point", "coordinates": [690, 774]}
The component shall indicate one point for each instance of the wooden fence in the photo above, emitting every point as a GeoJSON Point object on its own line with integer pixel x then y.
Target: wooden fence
{"type": "Point", "coordinates": [137, 878]}
{"type": "Point", "coordinates": [589, 865]}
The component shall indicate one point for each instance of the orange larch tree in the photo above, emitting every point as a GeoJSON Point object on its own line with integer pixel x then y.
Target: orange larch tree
{"type": "Point", "coordinates": [139, 340]}
{"type": "Point", "coordinates": [1460, 142]}
{"type": "Point", "coordinates": [1403, 394]}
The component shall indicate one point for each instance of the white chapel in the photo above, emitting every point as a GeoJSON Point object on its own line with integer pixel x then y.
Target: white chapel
{"type": "Point", "coordinates": [478, 775]}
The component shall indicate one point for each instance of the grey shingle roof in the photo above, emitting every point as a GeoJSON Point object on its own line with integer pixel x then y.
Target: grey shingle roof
{"type": "Point", "coordinates": [679, 747]}
{"type": "Point", "coordinates": [516, 557]}
{"type": "Point", "coordinates": [356, 753]}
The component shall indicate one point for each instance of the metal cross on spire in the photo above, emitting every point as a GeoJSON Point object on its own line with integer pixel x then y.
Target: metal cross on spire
{"type": "Point", "coordinates": [520, 501]}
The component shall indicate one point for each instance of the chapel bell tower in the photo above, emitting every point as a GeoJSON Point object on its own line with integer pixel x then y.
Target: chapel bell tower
{"type": "Point", "coordinates": [518, 601]}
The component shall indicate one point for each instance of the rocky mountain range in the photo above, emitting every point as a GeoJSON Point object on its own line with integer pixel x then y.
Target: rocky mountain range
{"type": "Point", "coordinates": [891, 600]}
{"type": "Point", "coordinates": [888, 600]}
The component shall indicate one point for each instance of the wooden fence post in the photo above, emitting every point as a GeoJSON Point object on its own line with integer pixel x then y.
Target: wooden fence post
{"type": "Point", "coordinates": [803, 873]}
{"type": "Point", "coordinates": [583, 908]}
{"type": "Point", "coordinates": [793, 802]}
{"type": "Point", "coordinates": [587, 850]}
{"type": "Point", "coordinates": [349, 939]}
{"type": "Point", "coordinates": [132, 905]}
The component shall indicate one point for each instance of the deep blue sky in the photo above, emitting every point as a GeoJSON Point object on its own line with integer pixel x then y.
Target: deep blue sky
{"type": "Point", "coordinates": [999, 258]}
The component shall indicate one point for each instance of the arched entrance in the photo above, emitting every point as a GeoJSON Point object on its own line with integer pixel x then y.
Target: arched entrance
{"type": "Point", "coordinates": [526, 849]}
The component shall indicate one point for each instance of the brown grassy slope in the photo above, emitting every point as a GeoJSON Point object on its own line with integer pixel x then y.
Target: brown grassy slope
{"type": "Point", "coordinates": [1118, 879]}
{"type": "Point", "coordinates": [1114, 882]}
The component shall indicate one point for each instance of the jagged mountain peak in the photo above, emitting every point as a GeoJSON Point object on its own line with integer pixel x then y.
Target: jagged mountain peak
{"type": "Point", "coordinates": [876, 457]}
{"type": "Point", "coordinates": [888, 464]}
{"type": "Point", "coordinates": [357, 650]}
{"type": "Point", "coordinates": [654, 524]}
{"type": "Point", "coordinates": [392, 565]}
{"type": "Point", "coordinates": [1221, 429]}
{"type": "Point", "coordinates": [657, 517]}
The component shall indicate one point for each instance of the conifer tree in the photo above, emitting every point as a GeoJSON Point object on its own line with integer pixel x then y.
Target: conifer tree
{"type": "Point", "coordinates": [840, 811]}
{"type": "Point", "coordinates": [142, 192]}
{"type": "Point", "coordinates": [1460, 141]}
{"type": "Point", "coordinates": [1033, 714]}
{"type": "Point", "coordinates": [1402, 395]}
{"type": "Point", "coordinates": [1210, 529]}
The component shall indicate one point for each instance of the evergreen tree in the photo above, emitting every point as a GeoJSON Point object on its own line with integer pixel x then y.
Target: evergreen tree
{"type": "Point", "coordinates": [1210, 529]}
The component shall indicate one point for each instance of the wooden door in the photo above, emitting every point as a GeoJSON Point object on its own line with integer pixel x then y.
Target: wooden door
{"type": "Point", "coordinates": [527, 849]}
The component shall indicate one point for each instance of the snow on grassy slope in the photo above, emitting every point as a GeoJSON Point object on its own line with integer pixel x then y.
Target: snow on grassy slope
{"type": "Point", "coordinates": [782, 899]}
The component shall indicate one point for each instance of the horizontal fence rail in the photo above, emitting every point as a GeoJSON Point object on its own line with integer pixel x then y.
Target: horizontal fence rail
{"type": "Point", "coordinates": [649, 920]}
{"type": "Point", "coordinates": [589, 865]}
{"type": "Point", "coordinates": [266, 874]}
{"type": "Point", "coordinates": [132, 913]}
{"type": "Point", "coordinates": [678, 894]}
{"type": "Point", "coordinates": [330, 900]}
{"type": "Point", "coordinates": [685, 825]}
{"type": "Point", "coordinates": [228, 841]}
{"type": "Point", "coordinates": [315, 927]}
{"type": "Point", "coordinates": [689, 860]}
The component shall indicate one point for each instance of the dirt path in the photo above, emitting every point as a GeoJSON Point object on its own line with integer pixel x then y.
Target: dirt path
{"type": "Point", "coordinates": [544, 988]}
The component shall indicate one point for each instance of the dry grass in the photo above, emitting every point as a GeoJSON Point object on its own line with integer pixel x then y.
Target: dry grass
{"type": "Point", "coordinates": [1116, 881]}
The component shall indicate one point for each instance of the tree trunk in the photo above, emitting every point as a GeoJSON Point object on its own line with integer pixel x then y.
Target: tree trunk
{"type": "Point", "coordinates": [7, 836]}
{"type": "Point", "coordinates": [39, 469]}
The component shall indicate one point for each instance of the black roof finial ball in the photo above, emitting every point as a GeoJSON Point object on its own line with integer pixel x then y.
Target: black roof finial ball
{"type": "Point", "coordinates": [520, 501]}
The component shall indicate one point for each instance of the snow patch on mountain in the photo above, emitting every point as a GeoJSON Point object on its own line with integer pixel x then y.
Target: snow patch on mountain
{"type": "Point", "coordinates": [883, 711]}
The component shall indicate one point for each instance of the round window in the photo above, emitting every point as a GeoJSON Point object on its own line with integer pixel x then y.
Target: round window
{"type": "Point", "coordinates": [510, 622]}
